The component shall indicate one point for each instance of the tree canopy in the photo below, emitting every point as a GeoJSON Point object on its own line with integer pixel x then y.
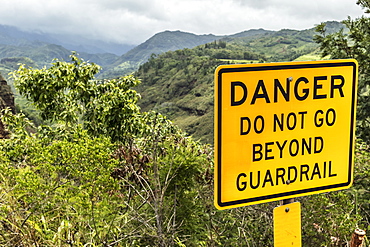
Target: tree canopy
{"type": "Point", "coordinates": [353, 41]}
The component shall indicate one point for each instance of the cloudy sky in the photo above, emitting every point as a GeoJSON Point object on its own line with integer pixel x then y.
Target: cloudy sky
{"type": "Point", "coordinates": [134, 21]}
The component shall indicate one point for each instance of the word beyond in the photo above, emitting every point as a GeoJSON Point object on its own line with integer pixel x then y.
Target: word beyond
{"type": "Point", "coordinates": [270, 150]}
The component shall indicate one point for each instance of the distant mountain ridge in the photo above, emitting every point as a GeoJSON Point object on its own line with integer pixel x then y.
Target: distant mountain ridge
{"type": "Point", "coordinates": [251, 32]}
{"type": "Point", "coordinates": [116, 59]}
{"type": "Point", "coordinates": [180, 83]}
{"type": "Point", "coordinates": [43, 47]}
{"type": "Point", "coordinates": [157, 44]}
{"type": "Point", "coordinates": [10, 35]}
{"type": "Point", "coordinates": [168, 41]}
{"type": "Point", "coordinates": [176, 68]}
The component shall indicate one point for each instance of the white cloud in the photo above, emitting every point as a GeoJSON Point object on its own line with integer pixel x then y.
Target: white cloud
{"type": "Point", "coordinates": [134, 21]}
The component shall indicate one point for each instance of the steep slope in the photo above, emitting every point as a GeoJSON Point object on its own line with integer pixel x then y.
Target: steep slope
{"type": "Point", "coordinates": [6, 101]}
{"type": "Point", "coordinates": [179, 83]}
{"type": "Point", "coordinates": [167, 41]}
{"type": "Point", "coordinates": [157, 44]}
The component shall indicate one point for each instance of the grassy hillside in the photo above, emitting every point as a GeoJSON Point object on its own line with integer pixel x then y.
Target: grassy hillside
{"type": "Point", "coordinates": [284, 45]}
{"type": "Point", "coordinates": [179, 83]}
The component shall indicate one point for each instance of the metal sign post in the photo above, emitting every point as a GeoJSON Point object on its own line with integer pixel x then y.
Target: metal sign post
{"type": "Point", "coordinates": [287, 225]}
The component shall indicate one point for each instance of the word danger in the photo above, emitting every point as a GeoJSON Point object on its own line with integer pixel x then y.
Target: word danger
{"type": "Point", "coordinates": [301, 89]}
{"type": "Point", "coordinates": [280, 176]}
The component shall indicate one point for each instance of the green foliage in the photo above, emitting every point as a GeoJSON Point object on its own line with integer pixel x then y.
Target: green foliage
{"type": "Point", "coordinates": [18, 125]}
{"type": "Point", "coordinates": [232, 50]}
{"type": "Point", "coordinates": [58, 192]}
{"type": "Point", "coordinates": [360, 190]}
{"type": "Point", "coordinates": [328, 219]}
{"type": "Point", "coordinates": [352, 42]}
{"type": "Point", "coordinates": [116, 176]}
{"type": "Point", "coordinates": [111, 109]}
{"type": "Point", "coordinates": [67, 93]}
{"type": "Point", "coordinates": [69, 188]}
{"type": "Point", "coordinates": [179, 84]}
{"type": "Point", "coordinates": [57, 91]}
{"type": "Point", "coordinates": [170, 186]}
{"type": "Point", "coordinates": [151, 179]}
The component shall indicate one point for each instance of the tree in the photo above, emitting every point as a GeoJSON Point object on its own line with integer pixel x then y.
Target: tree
{"type": "Point", "coordinates": [68, 93]}
{"type": "Point", "coordinates": [149, 167]}
{"type": "Point", "coordinates": [353, 42]}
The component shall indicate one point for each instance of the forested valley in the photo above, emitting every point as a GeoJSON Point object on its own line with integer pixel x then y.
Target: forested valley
{"type": "Point", "coordinates": [95, 159]}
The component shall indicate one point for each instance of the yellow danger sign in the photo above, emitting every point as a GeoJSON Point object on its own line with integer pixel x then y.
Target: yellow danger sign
{"type": "Point", "coordinates": [283, 130]}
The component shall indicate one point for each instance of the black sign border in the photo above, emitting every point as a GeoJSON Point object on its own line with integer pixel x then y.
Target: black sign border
{"type": "Point", "coordinates": [262, 67]}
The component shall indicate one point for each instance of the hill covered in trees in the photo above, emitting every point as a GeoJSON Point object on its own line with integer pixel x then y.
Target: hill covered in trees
{"type": "Point", "coordinates": [179, 83]}
{"type": "Point", "coordinates": [163, 42]}
{"type": "Point", "coordinates": [41, 48]}
{"type": "Point", "coordinates": [176, 68]}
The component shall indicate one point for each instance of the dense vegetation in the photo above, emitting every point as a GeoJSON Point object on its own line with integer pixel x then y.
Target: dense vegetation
{"type": "Point", "coordinates": [103, 169]}
{"type": "Point", "coordinates": [104, 173]}
{"type": "Point", "coordinates": [352, 44]}
{"type": "Point", "coordinates": [185, 81]}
